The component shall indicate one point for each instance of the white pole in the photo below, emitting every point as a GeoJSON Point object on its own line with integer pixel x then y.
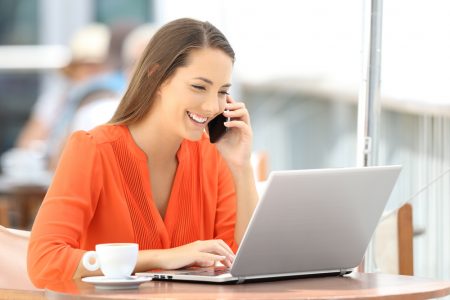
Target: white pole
{"type": "Point", "coordinates": [369, 97]}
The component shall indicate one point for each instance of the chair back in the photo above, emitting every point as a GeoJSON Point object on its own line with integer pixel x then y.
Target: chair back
{"type": "Point", "coordinates": [260, 165]}
{"type": "Point", "coordinates": [393, 242]}
{"type": "Point", "coordinates": [13, 259]}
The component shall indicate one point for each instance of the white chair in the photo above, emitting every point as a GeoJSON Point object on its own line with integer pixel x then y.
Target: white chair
{"type": "Point", "coordinates": [13, 259]}
{"type": "Point", "coordinates": [393, 242]}
{"type": "Point", "coordinates": [260, 165]}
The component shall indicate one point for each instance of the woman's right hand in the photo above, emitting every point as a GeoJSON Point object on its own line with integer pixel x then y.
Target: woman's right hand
{"type": "Point", "coordinates": [199, 253]}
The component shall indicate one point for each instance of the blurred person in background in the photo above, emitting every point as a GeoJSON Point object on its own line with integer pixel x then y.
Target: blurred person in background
{"type": "Point", "coordinates": [108, 84]}
{"type": "Point", "coordinates": [101, 111]}
{"type": "Point", "coordinates": [151, 175]}
{"type": "Point", "coordinates": [89, 51]}
{"type": "Point", "coordinates": [29, 160]}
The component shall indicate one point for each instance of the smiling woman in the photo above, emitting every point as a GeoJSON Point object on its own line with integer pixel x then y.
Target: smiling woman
{"type": "Point", "coordinates": [151, 176]}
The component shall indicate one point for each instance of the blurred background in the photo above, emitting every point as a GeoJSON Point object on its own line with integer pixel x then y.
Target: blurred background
{"type": "Point", "coordinates": [298, 69]}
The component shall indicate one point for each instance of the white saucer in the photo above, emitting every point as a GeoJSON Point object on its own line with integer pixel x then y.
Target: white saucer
{"type": "Point", "coordinates": [101, 282]}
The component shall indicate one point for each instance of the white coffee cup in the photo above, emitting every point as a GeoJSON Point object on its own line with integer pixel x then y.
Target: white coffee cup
{"type": "Point", "coordinates": [116, 260]}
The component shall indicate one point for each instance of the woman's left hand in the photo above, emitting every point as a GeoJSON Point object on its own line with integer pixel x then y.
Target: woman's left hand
{"type": "Point", "coordinates": [236, 145]}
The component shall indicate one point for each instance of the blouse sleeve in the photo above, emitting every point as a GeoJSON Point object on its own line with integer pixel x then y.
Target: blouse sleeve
{"type": "Point", "coordinates": [226, 207]}
{"type": "Point", "coordinates": [54, 249]}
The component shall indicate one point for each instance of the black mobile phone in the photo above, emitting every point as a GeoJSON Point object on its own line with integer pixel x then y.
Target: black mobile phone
{"type": "Point", "coordinates": [216, 128]}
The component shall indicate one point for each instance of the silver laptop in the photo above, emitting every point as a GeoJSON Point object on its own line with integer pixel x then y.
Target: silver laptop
{"type": "Point", "coordinates": [307, 223]}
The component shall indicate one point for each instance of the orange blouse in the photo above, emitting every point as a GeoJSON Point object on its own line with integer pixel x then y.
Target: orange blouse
{"type": "Point", "coordinates": [101, 193]}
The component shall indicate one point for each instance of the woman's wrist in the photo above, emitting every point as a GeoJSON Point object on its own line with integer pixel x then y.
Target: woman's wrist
{"type": "Point", "coordinates": [150, 259]}
{"type": "Point", "coordinates": [240, 170]}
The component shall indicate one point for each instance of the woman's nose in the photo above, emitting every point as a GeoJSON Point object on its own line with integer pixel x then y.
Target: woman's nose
{"type": "Point", "coordinates": [213, 105]}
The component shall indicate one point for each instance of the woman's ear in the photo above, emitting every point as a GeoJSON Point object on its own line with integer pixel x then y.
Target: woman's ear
{"type": "Point", "coordinates": [158, 92]}
{"type": "Point", "coordinates": [163, 84]}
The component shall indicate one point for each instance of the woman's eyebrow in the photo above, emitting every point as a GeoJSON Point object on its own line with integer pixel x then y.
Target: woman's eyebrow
{"type": "Point", "coordinates": [210, 81]}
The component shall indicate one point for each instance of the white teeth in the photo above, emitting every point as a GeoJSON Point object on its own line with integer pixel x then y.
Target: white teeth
{"type": "Point", "coordinates": [197, 118]}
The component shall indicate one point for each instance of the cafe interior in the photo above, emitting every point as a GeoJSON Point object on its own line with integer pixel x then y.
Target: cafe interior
{"type": "Point", "coordinates": [306, 70]}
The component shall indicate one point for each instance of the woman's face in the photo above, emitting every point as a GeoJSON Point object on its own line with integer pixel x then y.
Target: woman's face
{"type": "Point", "coordinates": [195, 93]}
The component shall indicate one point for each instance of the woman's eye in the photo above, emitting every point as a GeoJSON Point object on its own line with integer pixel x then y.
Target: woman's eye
{"type": "Point", "coordinates": [224, 92]}
{"type": "Point", "coordinates": [199, 87]}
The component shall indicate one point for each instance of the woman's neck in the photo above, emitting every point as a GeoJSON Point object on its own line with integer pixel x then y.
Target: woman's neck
{"type": "Point", "coordinates": [159, 144]}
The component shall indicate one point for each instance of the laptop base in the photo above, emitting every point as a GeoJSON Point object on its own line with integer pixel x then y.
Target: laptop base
{"type": "Point", "coordinates": [235, 280]}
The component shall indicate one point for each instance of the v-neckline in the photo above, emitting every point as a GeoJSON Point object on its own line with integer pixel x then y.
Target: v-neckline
{"type": "Point", "coordinates": [166, 223]}
{"type": "Point", "coordinates": [173, 190]}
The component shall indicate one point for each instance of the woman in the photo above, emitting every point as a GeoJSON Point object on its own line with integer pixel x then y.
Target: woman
{"type": "Point", "coordinates": [151, 176]}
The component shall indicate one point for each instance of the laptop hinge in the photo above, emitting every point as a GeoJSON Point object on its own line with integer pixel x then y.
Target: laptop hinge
{"type": "Point", "coordinates": [342, 272]}
{"type": "Point", "coordinates": [240, 280]}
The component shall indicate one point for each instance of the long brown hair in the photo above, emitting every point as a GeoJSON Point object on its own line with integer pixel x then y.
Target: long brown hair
{"type": "Point", "coordinates": [166, 51]}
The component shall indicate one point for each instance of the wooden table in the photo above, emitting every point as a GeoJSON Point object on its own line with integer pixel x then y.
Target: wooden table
{"type": "Point", "coordinates": [355, 286]}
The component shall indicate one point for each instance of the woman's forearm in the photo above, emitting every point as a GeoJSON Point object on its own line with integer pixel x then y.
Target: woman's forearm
{"type": "Point", "coordinates": [200, 253]}
{"type": "Point", "coordinates": [247, 198]}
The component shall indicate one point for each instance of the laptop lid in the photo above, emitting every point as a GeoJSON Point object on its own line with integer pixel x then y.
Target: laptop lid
{"type": "Point", "coordinates": [310, 221]}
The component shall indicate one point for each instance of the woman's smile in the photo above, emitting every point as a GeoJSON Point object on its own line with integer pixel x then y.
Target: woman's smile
{"type": "Point", "coordinates": [197, 119]}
